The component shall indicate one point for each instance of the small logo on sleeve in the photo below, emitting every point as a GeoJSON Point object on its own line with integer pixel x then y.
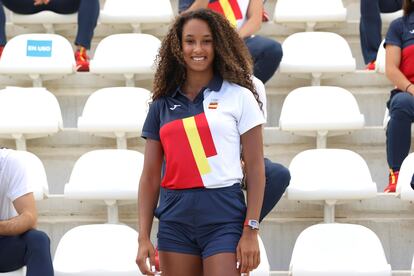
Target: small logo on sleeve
{"type": "Point", "coordinates": [175, 106]}
{"type": "Point", "coordinates": [412, 31]}
{"type": "Point", "coordinates": [213, 104]}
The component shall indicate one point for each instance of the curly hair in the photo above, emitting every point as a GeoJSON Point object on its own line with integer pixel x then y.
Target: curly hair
{"type": "Point", "coordinates": [232, 61]}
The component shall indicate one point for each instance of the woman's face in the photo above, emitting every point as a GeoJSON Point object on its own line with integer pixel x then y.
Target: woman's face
{"type": "Point", "coordinates": [197, 45]}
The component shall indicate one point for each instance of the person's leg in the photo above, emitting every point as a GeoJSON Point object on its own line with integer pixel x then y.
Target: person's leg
{"type": "Point", "coordinates": [23, 6]}
{"type": "Point", "coordinates": [37, 259]}
{"type": "Point", "coordinates": [172, 264]}
{"type": "Point", "coordinates": [223, 264]}
{"type": "Point", "coordinates": [3, 39]}
{"type": "Point", "coordinates": [12, 253]}
{"type": "Point", "coordinates": [370, 25]}
{"type": "Point", "coordinates": [31, 249]}
{"type": "Point", "coordinates": [87, 19]}
{"type": "Point", "coordinates": [266, 54]}
{"type": "Point", "coordinates": [399, 129]}
{"type": "Point", "coordinates": [277, 180]}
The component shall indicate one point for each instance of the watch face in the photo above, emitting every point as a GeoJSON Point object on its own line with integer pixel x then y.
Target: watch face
{"type": "Point", "coordinates": [254, 224]}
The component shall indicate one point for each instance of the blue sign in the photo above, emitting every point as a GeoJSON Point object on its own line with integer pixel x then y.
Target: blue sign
{"type": "Point", "coordinates": [39, 48]}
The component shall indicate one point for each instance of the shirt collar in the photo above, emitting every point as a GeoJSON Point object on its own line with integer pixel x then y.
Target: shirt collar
{"type": "Point", "coordinates": [214, 85]}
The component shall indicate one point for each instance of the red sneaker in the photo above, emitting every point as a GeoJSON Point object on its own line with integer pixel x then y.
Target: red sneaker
{"type": "Point", "coordinates": [370, 66]}
{"type": "Point", "coordinates": [82, 60]}
{"type": "Point", "coordinates": [393, 179]}
{"type": "Point", "coordinates": [1, 50]}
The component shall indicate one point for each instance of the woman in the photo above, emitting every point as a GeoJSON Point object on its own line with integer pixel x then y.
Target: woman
{"type": "Point", "coordinates": [204, 108]}
{"type": "Point", "coordinates": [399, 45]}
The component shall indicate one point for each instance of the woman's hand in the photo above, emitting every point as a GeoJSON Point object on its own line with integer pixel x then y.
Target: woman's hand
{"type": "Point", "coordinates": [145, 250]}
{"type": "Point", "coordinates": [248, 251]}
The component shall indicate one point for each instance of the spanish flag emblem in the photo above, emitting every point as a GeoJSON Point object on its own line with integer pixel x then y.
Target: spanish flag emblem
{"type": "Point", "coordinates": [229, 8]}
{"type": "Point", "coordinates": [213, 104]}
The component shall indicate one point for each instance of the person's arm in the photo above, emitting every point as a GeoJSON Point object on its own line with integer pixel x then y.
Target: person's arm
{"type": "Point", "coordinates": [149, 188]}
{"type": "Point", "coordinates": [248, 252]}
{"type": "Point", "coordinates": [254, 19]}
{"type": "Point", "coordinates": [197, 4]}
{"type": "Point", "coordinates": [26, 219]}
{"type": "Point", "coordinates": [392, 69]}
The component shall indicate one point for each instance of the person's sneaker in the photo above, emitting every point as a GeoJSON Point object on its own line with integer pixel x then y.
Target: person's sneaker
{"type": "Point", "coordinates": [370, 66]}
{"type": "Point", "coordinates": [392, 184]}
{"type": "Point", "coordinates": [1, 50]}
{"type": "Point", "coordinates": [82, 60]}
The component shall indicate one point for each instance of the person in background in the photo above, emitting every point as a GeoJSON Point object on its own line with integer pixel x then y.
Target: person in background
{"type": "Point", "coordinates": [20, 243]}
{"type": "Point", "coordinates": [246, 16]}
{"type": "Point", "coordinates": [205, 109]}
{"type": "Point", "coordinates": [88, 13]}
{"type": "Point", "coordinates": [370, 26]}
{"type": "Point", "coordinates": [399, 68]}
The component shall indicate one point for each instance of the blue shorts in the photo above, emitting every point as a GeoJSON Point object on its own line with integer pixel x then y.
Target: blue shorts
{"type": "Point", "coordinates": [201, 222]}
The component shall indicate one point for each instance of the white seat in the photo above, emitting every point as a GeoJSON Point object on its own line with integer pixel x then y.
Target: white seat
{"type": "Point", "coordinates": [330, 175]}
{"type": "Point", "coordinates": [338, 249]}
{"type": "Point", "coordinates": [389, 17]}
{"type": "Point", "coordinates": [380, 61]}
{"type": "Point", "coordinates": [320, 111]}
{"type": "Point", "coordinates": [102, 249]}
{"type": "Point", "coordinates": [20, 272]}
{"type": "Point", "coordinates": [115, 112]}
{"type": "Point", "coordinates": [412, 268]}
{"type": "Point", "coordinates": [27, 113]}
{"type": "Point", "coordinates": [37, 55]}
{"type": "Point", "coordinates": [316, 53]}
{"type": "Point", "coordinates": [109, 175]}
{"type": "Point", "coordinates": [137, 56]}
{"type": "Point", "coordinates": [264, 267]}
{"type": "Point", "coordinates": [45, 18]}
{"type": "Point", "coordinates": [136, 12]}
{"type": "Point", "coordinates": [310, 12]}
{"type": "Point", "coordinates": [404, 178]}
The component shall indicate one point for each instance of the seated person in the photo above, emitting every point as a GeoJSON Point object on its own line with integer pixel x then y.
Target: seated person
{"type": "Point", "coordinates": [370, 27]}
{"type": "Point", "coordinates": [399, 47]}
{"type": "Point", "coordinates": [88, 12]}
{"type": "Point", "coordinates": [246, 15]}
{"type": "Point", "coordinates": [20, 244]}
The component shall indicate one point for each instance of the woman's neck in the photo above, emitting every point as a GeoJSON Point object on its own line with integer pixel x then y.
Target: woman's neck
{"type": "Point", "coordinates": [194, 82]}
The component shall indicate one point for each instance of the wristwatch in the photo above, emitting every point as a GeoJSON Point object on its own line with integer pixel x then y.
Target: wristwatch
{"type": "Point", "coordinates": [252, 223]}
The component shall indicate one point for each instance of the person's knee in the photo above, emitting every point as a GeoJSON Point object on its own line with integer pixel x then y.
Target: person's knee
{"type": "Point", "coordinates": [277, 175]}
{"type": "Point", "coordinates": [36, 240]}
{"type": "Point", "coordinates": [402, 103]}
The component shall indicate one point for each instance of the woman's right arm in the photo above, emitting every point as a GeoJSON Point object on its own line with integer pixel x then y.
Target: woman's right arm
{"type": "Point", "coordinates": [149, 188]}
{"type": "Point", "coordinates": [392, 69]}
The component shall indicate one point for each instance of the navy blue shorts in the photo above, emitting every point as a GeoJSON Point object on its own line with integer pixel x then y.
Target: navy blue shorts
{"type": "Point", "coordinates": [201, 222]}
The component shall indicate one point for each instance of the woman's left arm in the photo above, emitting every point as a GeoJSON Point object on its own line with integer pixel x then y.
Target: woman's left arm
{"type": "Point", "coordinates": [248, 253]}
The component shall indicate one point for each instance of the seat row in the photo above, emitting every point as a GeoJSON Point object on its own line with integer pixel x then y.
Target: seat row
{"type": "Point", "coordinates": [112, 175]}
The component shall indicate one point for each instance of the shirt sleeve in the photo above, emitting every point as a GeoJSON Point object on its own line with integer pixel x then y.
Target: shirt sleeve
{"type": "Point", "coordinates": [151, 128]}
{"type": "Point", "coordinates": [250, 114]}
{"type": "Point", "coordinates": [394, 33]}
{"type": "Point", "coordinates": [17, 176]}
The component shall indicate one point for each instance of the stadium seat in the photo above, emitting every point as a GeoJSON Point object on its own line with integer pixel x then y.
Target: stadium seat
{"type": "Point", "coordinates": [27, 113]}
{"type": "Point", "coordinates": [136, 13]}
{"type": "Point", "coordinates": [101, 249]}
{"type": "Point", "coordinates": [389, 17]}
{"type": "Point", "coordinates": [404, 179]}
{"type": "Point", "coordinates": [117, 112]}
{"type": "Point", "coordinates": [340, 250]}
{"type": "Point", "coordinates": [20, 272]}
{"type": "Point", "coordinates": [47, 19]}
{"type": "Point", "coordinates": [320, 111]}
{"type": "Point", "coordinates": [330, 175]}
{"type": "Point", "coordinates": [264, 268]}
{"type": "Point", "coordinates": [126, 54]}
{"type": "Point", "coordinates": [109, 175]}
{"type": "Point", "coordinates": [380, 61]}
{"type": "Point", "coordinates": [412, 267]}
{"type": "Point", "coordinates": [319, 54]}
{"type": "Point", "coordinates": [40, 56]}
{"type": "Point", "coordinates": [309, 12]}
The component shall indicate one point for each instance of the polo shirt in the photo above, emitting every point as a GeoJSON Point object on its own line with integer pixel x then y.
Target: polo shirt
{"type": "Point", "coordinates": [201, 138]}
{"type": "Point", "coordinates": [401, 34]}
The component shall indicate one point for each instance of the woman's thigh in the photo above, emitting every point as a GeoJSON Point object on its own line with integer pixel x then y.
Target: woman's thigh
{"type": "Point", "coordinates": [172, 264]}
{"type": "Point", "coordinates": [222, 264]}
